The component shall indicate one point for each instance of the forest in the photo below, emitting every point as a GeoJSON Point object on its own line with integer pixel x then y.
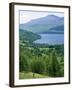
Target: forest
{"type": "Point", "coordinates": [39, 60]}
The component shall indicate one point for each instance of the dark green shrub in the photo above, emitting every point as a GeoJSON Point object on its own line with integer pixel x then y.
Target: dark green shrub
{"type": "Point", "coordinates": [24, 65]}
{"type": "Point", "coordinates": [54, 69]}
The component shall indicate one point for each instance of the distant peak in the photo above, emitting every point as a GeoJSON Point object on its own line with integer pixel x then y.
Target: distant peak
{"type": "Point", "coordinates": [52, 16]}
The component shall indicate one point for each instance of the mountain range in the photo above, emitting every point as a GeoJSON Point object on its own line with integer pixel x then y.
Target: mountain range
{"type": "Point", "coordinates": [50, 23]}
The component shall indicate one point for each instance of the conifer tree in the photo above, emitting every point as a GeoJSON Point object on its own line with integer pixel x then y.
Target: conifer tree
{"type": "Point", "coordinates": [54, 66]}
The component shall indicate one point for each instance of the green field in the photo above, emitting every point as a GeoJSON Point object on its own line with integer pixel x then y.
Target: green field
{"type": "Point", "coordinates": [29, 75]}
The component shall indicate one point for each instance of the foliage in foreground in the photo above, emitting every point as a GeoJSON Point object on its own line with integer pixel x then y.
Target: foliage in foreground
{"type": "Point", "coordinates": [54, 68]}
{"type": "Point", "coordinates": [43, 61]}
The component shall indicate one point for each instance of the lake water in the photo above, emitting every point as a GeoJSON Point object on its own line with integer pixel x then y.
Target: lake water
{"type": "Point", "coordinates": [51, 39]}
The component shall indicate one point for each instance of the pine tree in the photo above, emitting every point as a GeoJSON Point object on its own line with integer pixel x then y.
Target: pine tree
{"type": "Point", "coordinates": [37, 66]}
{"type": "Point", "coordinates": [24, 65]}
{"type": "Point", "coordinates": [54, 66]}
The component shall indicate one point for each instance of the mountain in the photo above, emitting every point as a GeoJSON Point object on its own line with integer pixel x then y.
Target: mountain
{"type": "Point", "coordinates": [43, 20]}
{"type": "Point", "coordinates": [28, 36]}
{"type": "Point", "coordinates": [43, 24]}
{"type": "Point", "coordinates": [58, 28]}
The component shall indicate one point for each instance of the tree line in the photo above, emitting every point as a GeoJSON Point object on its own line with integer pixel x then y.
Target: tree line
{"type": "Point", "coordinates": [41, 62]}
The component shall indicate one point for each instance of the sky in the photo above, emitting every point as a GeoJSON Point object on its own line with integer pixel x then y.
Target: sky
{"type": "Point", "coordinates": [26, 16]}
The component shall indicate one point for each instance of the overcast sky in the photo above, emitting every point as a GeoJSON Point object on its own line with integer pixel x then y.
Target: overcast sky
{"type": "Point", "coordinates": [26, 16]}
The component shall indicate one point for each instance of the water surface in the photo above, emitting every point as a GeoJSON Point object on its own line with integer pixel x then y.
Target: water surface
{"type": "Point", "coordinates": [50, 39]}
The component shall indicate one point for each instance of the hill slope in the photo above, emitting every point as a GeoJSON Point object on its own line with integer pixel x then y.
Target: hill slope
{"type": "Point", "coordinates": [43, 24]}
{"type": "Point", "coordinates": [28, 36]}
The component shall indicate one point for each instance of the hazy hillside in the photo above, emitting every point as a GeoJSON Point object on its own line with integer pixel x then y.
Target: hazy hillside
{"type": "Point", "coordinates": [43, 24]}
{"type": "Point", "coordinates": [27, 36]}
{"type": "Point", "coordinates": [58, 28]}
{"type": "Point", "coordinates": [43, 20]}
